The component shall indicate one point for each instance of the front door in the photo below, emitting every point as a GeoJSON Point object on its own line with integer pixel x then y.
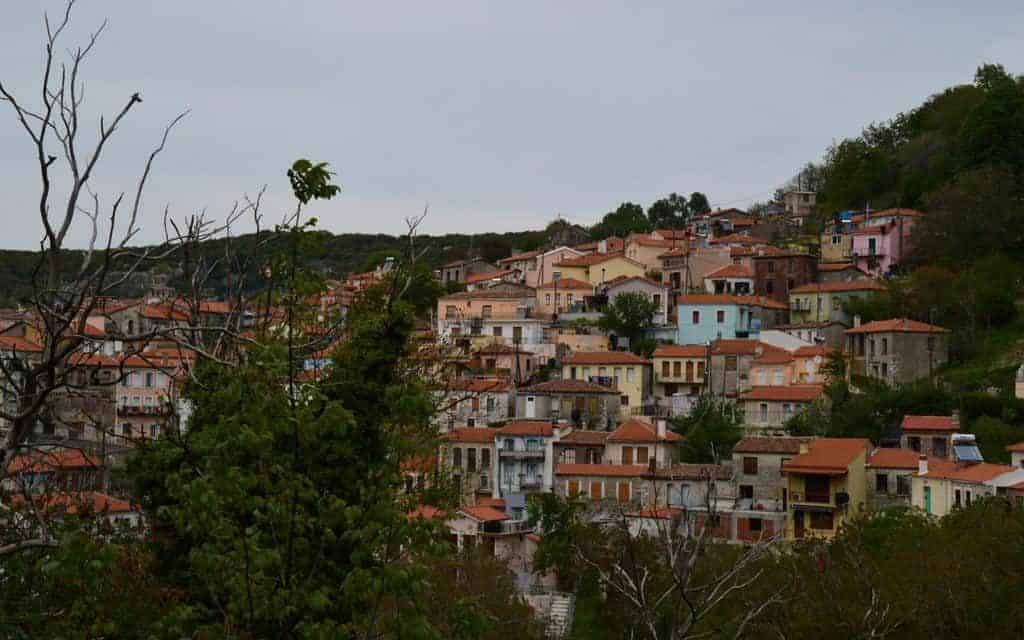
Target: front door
{"type": "Point", "coordinates": [531, 407]}
{"type": "Point", "coordinates": [798, 524]}
{"type": "Point", "coordinates": [927, 499]}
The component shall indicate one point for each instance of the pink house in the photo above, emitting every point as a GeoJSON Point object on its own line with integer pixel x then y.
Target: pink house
{"type": "Point", "coordinates": [883, 240]}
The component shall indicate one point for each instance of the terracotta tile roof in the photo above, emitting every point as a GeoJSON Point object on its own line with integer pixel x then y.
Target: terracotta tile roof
{"type": "Point", "coordinates": [162, 312]}
{"type": "Point", "coordinates": [897, 325]}
{"type": "Point", "coordinates": [618, 280]}
{"type": "Point", "coordinates": [772, 355]}
{"type": "Point", "coordinates": [675, 253]}
{"type": "Point", "coordinates": [731, 271]}
{"type": "Point", "coordinates": [424, 512]}
{"type": "Point", "coordinates": [519, 257]}
{"type": "Point", "coordinates": [1016, 447]}
{"type": "Point", "coordinates": [488, 275]}
{"type": "Point", "coordinates": [484, 514]}
{"type": "Point", "coordinates": [972, 473]}
{"type": "Point", "coordinates": [762, 444]}
{"type": "Point", "coordinates": [736, 238]}
{"type": "Point", "coordinates": [837, 287]}
{"type": "Point", "coordinates": [648, 241]}
{"type": "Point", "coordinates": [793, 393]}
{"type": "Point", "coordinates": [929, 423]}
{"type": "Point", "coordinates": [37, 461]}
{"type": "Point", "coordinates": [673, 233]}
{"type": "Point", "coordinates": [527, 428]}
{"type": "Point", "coordinates": [481, 385]}
{"type": "Point", "coordinates": [884, 458]}
{"type": "Point", "coordinates": [494, 503]}
{"type": "Point", "coordinates": [707, 298]}
{"type": "Point", "coordinates": [604, 357]}
{"type": "Point", "coordinates": [613, 470]}
{"type": "Point", "coordinates": [567, 283]}
{"type": "Point", "coordinates": [568, 386]}
{"type": "Point", "coordinates": [19, 345]}
{"type": "Point", "coordinates": [584, 436]}
{"type": "Point", "coordinates": [681, 351]}
{"type": "Point", "coordinates": [741, 222]}
{"type": "Point", "coordinates": [827, 456]}
{"type": "Point", "coordinates": [734, 347]}
{"type": "Point", "coordinates": [687, 471]}
{"type": "Point", "coordinates": [614, 243]}
{"type": "Point", "coordinates": [810, 325]}
{"type": "Point", "coordinates": [813, 350]}
{"type": "Point", "coordinates": [481, 435]}
{"type": "Point", "coordinates": [422, 463]}
{"type": "Point", "coordinates": [77, 502]}
{"type": "Point", "coordinates": [591, 259]}
{"type": "Point", "coordinates": [763, 302]}
{"type": "Point", "coordinates": [637, 431]}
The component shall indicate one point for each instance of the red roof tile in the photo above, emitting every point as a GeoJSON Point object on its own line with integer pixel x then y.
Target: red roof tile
{"type": "Point", "coordinates": [827, 456]}
{"type": "Point", "coordinates": [973, 473]}
{"type": "Point", "coordinates": [604, 357]}
{"type": "Point", "coordinates": [734, 347]}
{"type": "Point", "coordinates": [832, 267]}
{"type": "Point", "coordinates": [424, 512]}
{"type": "Point", "coordinates": [484, 514]}
{"type": "Point", "coordinates": [736, 238]}
{"type": "Point", "coordinates": [19, 345]}
{"type": "Point", "coordinates": [494, 503]}
{"type": "Point", "coordinates": [591, 259]}
{"type": "Point", "coordinates": [481, 385]}
{"type": "Point", "coordinates": [618, 280]}
{"type": "Point", "coordinates": [637, 431]}
{"type": "Point", "coordinates": [77, 502]}
{"type": "Point", "coordinates": [518, 257]}
{"type": "Point", "coordinates": [811, 351]}
{"type": "Point", "coordinates": [488, 275]}
{"type": "Point", "coordinates": [527, 428]}
{"type": "Point", "coordinates": [929, 423]}
{"type": "Point", "coordinates": [482, 435]}
{"type": "Point", "coordinates": [681, 351]}
{"type": "Point", "coordinates": [897, 325]}
{"type": "Point", "coordinates": [762, 444]}
{"type": "Point", "coordinates": [838, 287]}
{"type": "Point", "coordinates": [614, 243]}
{"type": "Point", "coordinates": [568, 386]}
{"type": "Point", "coordinates": [648, 241]}
{"type": "Point", "coordinates": [49, 460]}
{"type": "Point", "coordinates": [893, 459]}
{"type": "Point", "coordinates": [567, 284]}
{"type": "Point", "coordinates": [613, 470]}
{"type": "Point", "coordinates": [773, 355]}
{"type": "Point", "coordinates": [674, 253]}
{"type": "Point", "coordinates": [731, 271]}
{"type": "Point", "coordinates": [1016, 447]}
{"type": "Point", "coordinates": [793, 393]}
{"type": "Point", "coordinates": [584, 436]}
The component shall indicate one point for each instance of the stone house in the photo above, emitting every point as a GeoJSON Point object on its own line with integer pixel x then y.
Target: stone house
{"type": "Point", "coordinates": [580, 446]}
{"type": "Point", "coordinates": [732, 278]}
{"type": "Point", "coordinates": [638, 443]}
{"type": "Point", "coordinates": [469, 454]}
{"type": "Point", "coordinates": [767, 409]}
{"type": "Point", "coordinates": [730, 366]}
{"type": "Point", "coordinates": [459, 270]}
{"type": "Point", "coordinates": [581, 403]}
{"type": "Point", "coordinates": [890, 475]}
{"type": "Point", "coordinates": [679, 375]}
{"type": "Point", "coordinates": [475, 402]}
{"type": "Point", "coordinates": [776, 273]}
{"type": "Point", "coordinates": [897, 351]}
{"type": "Point", "coordinates": [929, 435]}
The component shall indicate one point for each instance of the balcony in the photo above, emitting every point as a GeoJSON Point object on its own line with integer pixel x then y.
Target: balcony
{"type": "Point", "coordinates": [521, 454]}
{"type": "Point", "coordinates": [504, 528]}
{"type": "Point", "coordinates": [133, 410]}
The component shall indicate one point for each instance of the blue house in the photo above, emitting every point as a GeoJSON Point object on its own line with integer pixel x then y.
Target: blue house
{"type": "Point", "coordinates": [705, 318]}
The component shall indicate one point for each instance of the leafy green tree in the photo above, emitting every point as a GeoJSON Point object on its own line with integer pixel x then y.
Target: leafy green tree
{"type": "Point", "coordinates": [710, 431]}
{"type": "Point", "coordinates": [670, 212]}
{"type": "Point", "coordinates": [629, 315]}
{"type": "Point", "coordinates": [628, 218]}
{"type": "Point", "coordinates": [699, 203]}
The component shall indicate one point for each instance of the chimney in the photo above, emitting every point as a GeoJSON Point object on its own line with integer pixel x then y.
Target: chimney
{"type": "Point", "coordinates": [602, 246]}
{"type": "Point", "coordinates": [922, 465]}
{"type": "Point", "coordinates": [662, 429]}
{"type": "Point", "coordinates": [856, 321]}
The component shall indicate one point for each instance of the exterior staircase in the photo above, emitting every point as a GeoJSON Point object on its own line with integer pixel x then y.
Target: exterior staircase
{"type": "Point", "coordinates": [560, 614]}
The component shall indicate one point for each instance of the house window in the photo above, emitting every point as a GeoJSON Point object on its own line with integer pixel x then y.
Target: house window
{"type": "Point", "coordinates": [956, 499]}
{"type": "Point", "coordinates": [450, 313]}
{"type": "Point", "coordinates": [763, 411]}
{"type": "Point", "coordinates": [836, 239]}
{"type": "Point", "coordinates": [547, 299]}
{"type": "Point", "coordinates": [730, 363]}
{"type": "Point", "coordinates": [903, 485]}
{"type": "Point", "coordinates": [754, 525]}
{"type": "Point", "coordinates": [568, 298]}
{"type": "Point", "coordinates": [821, 520]}
{"type": "Point", "coordinates": [746, 492]}
{"type": "Point", "coordinates": [149, 379]}
{"type": "Point", "coordinates": [616, 375]}
{"type": "Point", "coordinates": [624, 400]}
{"type": "Point", "coordinates": [596, 490]}
{"type": "Point", "coordinates": [677, 370]}
{"type": "Point", "coordinates": [777, 377]}
{"type": "Point", "coordinates": [885, 370]}
{"type": "Point", "coordinates": [871, 347]}
{"type": "Point", "coordinates": [939, 447]}
{"type": "Point", "coordinates": [720, 316]}
{"type": "Point", "coordinates": [475, 400]}
{"type": "Point", "coordinates": [882, 483]}
{"type": "Point", "coordinates": [835, 304]}
{"type": "Point", "coordinates": [485, 312]}
{"type": "Point", "coordinates": [657, 300]}
{"type": "Point", "coordinates": [641, 455]}
{"type": "Point", "coordinates": [629, 374]}
{"type": "Point", "coordinates": [885, 346]}
{"type": "Point", "coordinates": [569, 456]}
{"type": "Point", "coordinates": [623, 492]}
{"type": "Point", "coordinates": [490, 405]}
{"type": "Point", "coordinates": [572, 488]}
{"type": "Point", "coordinates": [627, 455]}
{"type": "Point", "coordinates": [695, 317]}
{"type": "Point", "coordinates": [915, 444]}
{"type": "Point", "coordinates": [664, 369]}
{"type": "Point", "coordinates": [750, 465]}
{"type": "Point", "coordinates": [769, 287]}
{"type": "Point", "coordinates": [471, 459]}
{"type": "Point", "coordinates": [771, 267]}
{"type": "Point", "coordinates": [517, 333]}
{"type": "Point", "coordinates": [457, 458]}
{"type": "Point", "coordinates": [602, 371]}
{"type": "Point", "coordinates": [485, 458]}
{"type": "Point", "coordinates": [126, 429]}
{"type": "Point", "coordinates": [700, 370]}
{"type": "Point", "coordinates": [497, 332]}
{"type": "Point", "coordinates": [572, 373]}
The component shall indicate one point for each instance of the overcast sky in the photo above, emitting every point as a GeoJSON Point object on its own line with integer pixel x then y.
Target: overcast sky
{"type": "Point", "coordinates": [497, 114]}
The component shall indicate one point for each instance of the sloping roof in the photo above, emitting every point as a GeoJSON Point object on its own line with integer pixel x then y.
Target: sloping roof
{"type": "Point", "coordinates": [482, 435]}
{"type": "Point", "coordinates": [494, 503]}
{"type": "Point", "coordinates": [584, 436]}
{"type": "Point", "coordinates": [827, 456]}
{"type": "Point", "coordinates": [162, 312]}
{"type": "Point", "coordinates": [424, 512]}
{"type": "Point", "coordinates": [591, 259]}
{"type": "Point", "coordinates": [763, 444]}
{"type": "Point", "coordinates": [673, 233]}
{"type": "Point", "coordinates": [731, 271]}
{"type": "Point", "coordinates": [37, 461]}
{"type": "Point", "coordinates": [567, 283]}
{"type": "Point", "coordinates": [488, 275]}
{"type": "Point", "coordinates": [973, 473]}
{"type": "Point", "coordinates": [929, 423]}
{"type": "Point", "coordinates": [838, 287]}
{"type": "Point", "coordinates": [773, 355]}
{"type": "Point", "coordinates": [76, 502]}
{"type": "Point", "coordinates": [614, 470]}
{"type": "Point", "coordinates": [813, 350]}
{"type": "Point", "coordinates": [884, 458]}
{"type": "Point", "coordinates": [647, 241]}
{"type": "Point", "coordinates": [734, 347]}
{"type": "Point", "coordinates": [518, 257]}
{"type": "Point", "coordinates": [708, 299]}
{"type": "Point", "coordinates": [567, 386]}
{"type": "Point", "coordinates": [20, 345]}
{"type": "Point", "coordinates": [613, 243]}
{"type": "Point", "coordinates": [506, 291]}
{"type": "Point", "coordinates": [688, 471]}
{"type": "Point", "coordinates": [604, 357]}
{"type": "Point", "coordinates": [1017, 447]}
{"type": "Point", "coordinates": [484, 514]}
{"type": "Point", "coordinates": [672, 253]}
{"type": "Point", "coordinates": [480, 385]}
{"type": "Point", "coordinates": [792, 393]}
{"type": "Point", "coordinates": [736, 238]}
{"type": "Point", "coordinates": [681, 351]}
{"type": "Point", "coordinates": [527, 428]}
{"type": "Point", "coordinates": [620, 280]}
{"type": "Point", "coordinates": [897, 325]}
{"type": "Point", "coordinates": [637, 431]}
{"type": "Point", "coordinates": [763, 302]}
{"type": "Point", "coordinates": [833, 267]}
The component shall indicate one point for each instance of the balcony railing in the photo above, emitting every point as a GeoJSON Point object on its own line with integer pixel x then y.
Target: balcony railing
{"type": "Point", "coordinates": [521, 454]}
{"type": "Point", "coordinates": [816, 498]}
{"type": "Point", "coordinates": [504, 528]}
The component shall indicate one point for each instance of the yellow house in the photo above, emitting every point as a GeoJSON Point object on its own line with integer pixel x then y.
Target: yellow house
{"type": "Point", "coordinates": [836, 247]}
{"type": "Point", "coordinates": [826, 485]}
{"type": "Point", "coordinates": [826, 301]}
{"type": "Point", "coordinates": [647, 249]}
{"type": "Point", "coordinates": [628, 373]}
{"type": "Point", "coordinates": [941, 486]}
{"type": "Point", "coordinates": [599, 268]}
{"type": "Point", "coordinates": [679, 368]}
